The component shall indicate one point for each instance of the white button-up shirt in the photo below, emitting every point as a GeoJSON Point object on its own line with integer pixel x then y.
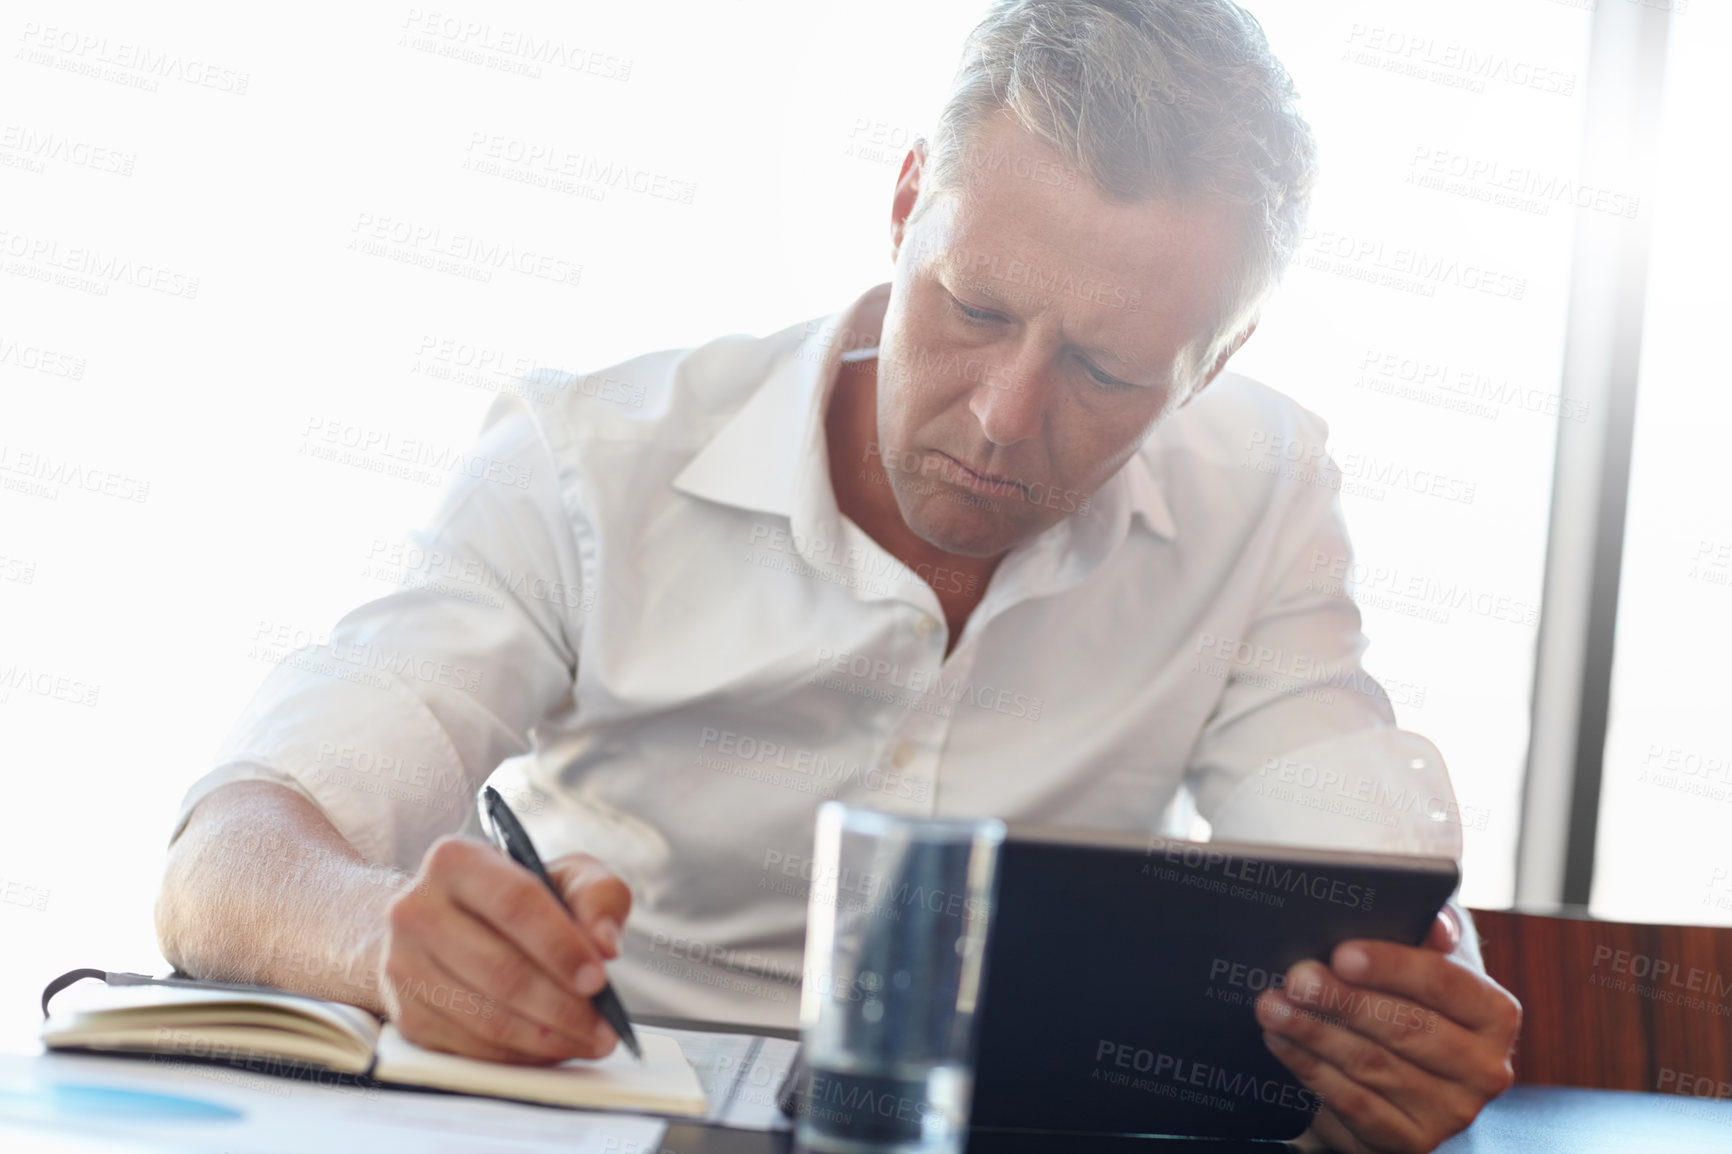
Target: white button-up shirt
{"type": "Point", "coordinates": [643, 609]}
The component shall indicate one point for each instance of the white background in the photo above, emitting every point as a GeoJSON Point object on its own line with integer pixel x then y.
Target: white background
{"type": "Point", "coordinates": [788, 121]}
{"type": "Point", "coordinates": [1666, 805]}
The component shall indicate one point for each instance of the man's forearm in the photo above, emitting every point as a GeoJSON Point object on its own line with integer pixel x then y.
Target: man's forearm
{"type": "Point", "coordinates": [260, 887]}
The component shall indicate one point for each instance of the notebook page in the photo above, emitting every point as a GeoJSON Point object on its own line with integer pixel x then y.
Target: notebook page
{"type": "Point", "coordinates": [663, 1083]}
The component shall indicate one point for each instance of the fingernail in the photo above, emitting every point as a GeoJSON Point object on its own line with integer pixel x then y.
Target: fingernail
{"type": "Point", "coordinates": [607, 932]}
{"type": "Point", "coordinates": [1305, 982]}
{"type": "Point", "coordinates": [590, 979]}
{"type": "Point", "coordinates": [1351, 962]}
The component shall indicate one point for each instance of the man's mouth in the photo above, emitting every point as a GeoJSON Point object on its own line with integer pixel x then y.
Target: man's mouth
{"type": "Point", "coordinates": [986, 484]}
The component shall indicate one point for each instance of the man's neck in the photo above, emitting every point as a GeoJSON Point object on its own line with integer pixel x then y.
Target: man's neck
{"type": "Point", "coordinates": [864, 496]}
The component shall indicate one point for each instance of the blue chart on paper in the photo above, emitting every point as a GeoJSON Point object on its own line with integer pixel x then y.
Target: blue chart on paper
{"type": "Point", "coordinates": [50, 1101]}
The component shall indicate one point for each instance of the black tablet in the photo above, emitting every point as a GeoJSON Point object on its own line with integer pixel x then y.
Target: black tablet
{"type": "Point", "coordinates": [1122, 971]}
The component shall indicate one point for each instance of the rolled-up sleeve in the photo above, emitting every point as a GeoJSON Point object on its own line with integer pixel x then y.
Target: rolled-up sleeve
{"type": "Point", "coordinates": [1302, 748]}
{"type": "Point", "coordinates": [392, 722]}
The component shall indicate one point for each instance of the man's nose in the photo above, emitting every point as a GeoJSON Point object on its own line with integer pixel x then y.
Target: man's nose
{"type": "Point", "coordinates": [1009, 400]}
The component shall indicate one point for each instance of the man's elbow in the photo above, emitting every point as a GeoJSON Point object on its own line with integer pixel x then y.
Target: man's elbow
{"type": "Point", "coordinates": [203, 883]}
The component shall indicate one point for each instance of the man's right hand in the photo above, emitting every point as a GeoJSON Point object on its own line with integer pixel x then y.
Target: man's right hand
{"type": "Point", "coordinates": [480, 960]}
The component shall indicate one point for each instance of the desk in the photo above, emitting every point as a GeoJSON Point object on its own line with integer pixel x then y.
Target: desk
{"type": "Point", "coordinates": [1527, 1120]}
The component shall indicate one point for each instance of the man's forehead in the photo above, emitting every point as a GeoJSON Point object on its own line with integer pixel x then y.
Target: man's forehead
{"type": "Point", "coordinates": [1157, 296]}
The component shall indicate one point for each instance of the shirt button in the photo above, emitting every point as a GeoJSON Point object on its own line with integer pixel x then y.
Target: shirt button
{"type": "Point", "coordinates": [902, 754]}
{"type": "Point", "coordinates": [924, 626]}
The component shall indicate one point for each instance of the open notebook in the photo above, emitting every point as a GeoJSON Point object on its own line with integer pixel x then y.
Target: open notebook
{"type": "Point", "coordinates": [245, 1026]}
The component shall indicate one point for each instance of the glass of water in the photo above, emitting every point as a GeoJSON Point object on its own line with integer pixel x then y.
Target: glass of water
{"type": "Point", "coordinates": [896, 930]}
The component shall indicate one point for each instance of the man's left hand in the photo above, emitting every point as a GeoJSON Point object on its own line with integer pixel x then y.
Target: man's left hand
{"type": "Point", "coordinates": [1404, 1044]}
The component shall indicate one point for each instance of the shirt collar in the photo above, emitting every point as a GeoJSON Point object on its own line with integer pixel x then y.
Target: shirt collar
{"type": "Point", "coordinates": [772, 456]}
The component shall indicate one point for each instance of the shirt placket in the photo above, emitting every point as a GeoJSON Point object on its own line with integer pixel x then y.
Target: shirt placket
{"type": "Point", "coordinates": [910, 756]}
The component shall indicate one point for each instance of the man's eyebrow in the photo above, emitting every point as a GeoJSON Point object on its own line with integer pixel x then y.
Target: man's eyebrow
{"type": "Point", "coordinates": [980, 288]}
{"type": "Point", "coordinates": [1100, 353]}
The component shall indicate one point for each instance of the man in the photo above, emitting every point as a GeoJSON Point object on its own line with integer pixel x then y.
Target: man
{"type": "Point", "coordinates": [999, 538]}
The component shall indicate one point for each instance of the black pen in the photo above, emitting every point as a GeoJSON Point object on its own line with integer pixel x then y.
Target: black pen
{"type": "Point", "coordinates": [503, 827]}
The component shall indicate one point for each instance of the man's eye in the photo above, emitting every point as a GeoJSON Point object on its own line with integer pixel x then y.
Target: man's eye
{"type": "Point", "coordinates": [975, 314]}
{"type": "Point", "coordinates": [1104, 381]}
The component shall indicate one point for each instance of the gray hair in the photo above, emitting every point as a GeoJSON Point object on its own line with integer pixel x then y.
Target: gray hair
{"type": "Point", "coordinates": [1147, 98]}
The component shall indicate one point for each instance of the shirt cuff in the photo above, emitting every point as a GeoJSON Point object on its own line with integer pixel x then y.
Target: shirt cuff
{"type": "Point", "coordinates": [221, 776]}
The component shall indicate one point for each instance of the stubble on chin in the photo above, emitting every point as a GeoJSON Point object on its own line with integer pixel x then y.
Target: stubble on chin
{"type": "Point", "coordinates": [956, 521]}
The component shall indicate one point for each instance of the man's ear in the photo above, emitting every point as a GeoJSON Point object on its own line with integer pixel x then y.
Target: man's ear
{"type": "Point", "coordinates": [907, 192]}
{"type": "Point", "coordinates": [1232, 347]}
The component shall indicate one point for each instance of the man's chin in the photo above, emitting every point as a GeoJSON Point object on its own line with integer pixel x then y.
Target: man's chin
{"type": "Point", "coordinates": [962, 530]}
